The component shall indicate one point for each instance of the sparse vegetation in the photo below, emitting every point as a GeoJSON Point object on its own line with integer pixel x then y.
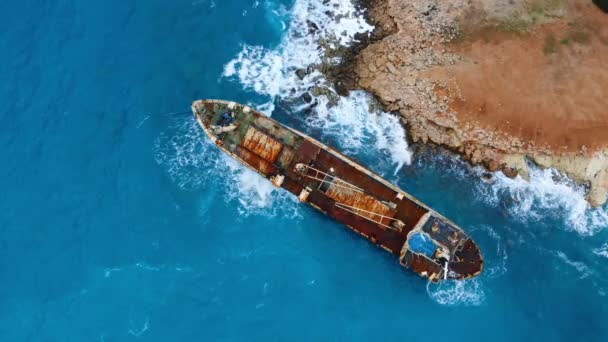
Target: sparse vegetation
{"type": "Point", "coordinates": [477, 24]}
{"type": "Point", "coordinates": [579, 36]}
{"type": "Point", "coordinates": [550, 45]}
{"type": "Point", "coordinates": [578, 33]}
{"type": "Point", "coordinates": [535, 12]}
{"type": "Point", "coordinates": [543, 9]}
{"type": "Point", "coordinates": [516, 25]}
{"type": "Point", "coordinates": [458, 36]}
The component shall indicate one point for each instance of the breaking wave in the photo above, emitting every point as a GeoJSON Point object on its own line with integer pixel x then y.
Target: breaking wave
{"type": "Point", "coordinates": [272, 72]}
{"type": "Point", "coordinates": [547, 193]}
{"type": "Point", "coordinates": [358, 126]}
{"type": "Point", "coordinates": [547, 196]}
{"type": "Point", "coordinates": [317, 28]}
{"type": "Point", "coordinates": [193, 163]}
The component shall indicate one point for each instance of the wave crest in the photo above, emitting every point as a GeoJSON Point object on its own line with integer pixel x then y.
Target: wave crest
{"type": "Point", "coordinates": [193, 163]}
{"type": "Point", "coordinates": [547, 192]}
{"type": "Point", "coordinates": [272, 73]}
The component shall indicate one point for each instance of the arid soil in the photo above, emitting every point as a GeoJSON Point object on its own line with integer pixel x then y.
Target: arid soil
{"type": "Point", "coordinates": [498, 81]}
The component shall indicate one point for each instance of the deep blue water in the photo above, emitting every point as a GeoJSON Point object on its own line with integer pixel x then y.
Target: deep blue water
{"type": "Point", "coordinates": [120, 224]}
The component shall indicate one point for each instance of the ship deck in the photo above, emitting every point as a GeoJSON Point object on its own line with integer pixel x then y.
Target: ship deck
{"type": "Point", "coordinates": [341, 188]}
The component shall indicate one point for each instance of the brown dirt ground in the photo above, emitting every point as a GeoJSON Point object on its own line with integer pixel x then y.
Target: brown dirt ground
{"type": "Point", "coordinates": [548, 87]}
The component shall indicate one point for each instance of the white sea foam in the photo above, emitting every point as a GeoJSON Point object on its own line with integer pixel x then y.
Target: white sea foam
{"type": "Point", "coordinates": [272, 73]}
{"type": "Point", "coordinates": [583, 270]}
{"type": "Point", "coordinates": [256, 195]}
{"type": "Point", "coordinates": [188, 158]}
{"type": "Point", "coordinates": [602, 251]}
{"type": "Point", "coordinates": [495, 263]}
{"type": "Point", "coordinates": [193, 163]}
{"type": "Point", "coordinates": [547, 193]}
{"type": "Point", "coordinates": [471, 292]}
{"type": "Point", "coordinates": [355, 123]}
{"type": "Point", "coordinates": [457, 292]}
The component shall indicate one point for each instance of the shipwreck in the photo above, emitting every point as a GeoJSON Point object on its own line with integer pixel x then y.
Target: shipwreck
{"type": "Point", "coordinates": [421, 239]}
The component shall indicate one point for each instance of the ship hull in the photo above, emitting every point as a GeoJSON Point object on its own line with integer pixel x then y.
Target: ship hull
{"type": "Point", "coordinates": [421, 239]}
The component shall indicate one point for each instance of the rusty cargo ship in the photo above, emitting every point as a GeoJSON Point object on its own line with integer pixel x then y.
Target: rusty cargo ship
{"type": "Point", "coordinates": [421, 239]}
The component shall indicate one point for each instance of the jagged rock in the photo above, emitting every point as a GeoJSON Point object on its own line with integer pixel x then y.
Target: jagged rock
{"type": "Point", "coordinates": [509, 172]}
{"type": "Point", "coordinates": [307, 97]}
{"type": "Point", "coordinates": [301, 73]}
{"type": "Point", "coordinates": [486, 176]}
{"type": "Point", "coordinates": [361, 36]}
{"type": "Point", "coordinates": [312, 27]}
{"type": "Point", "coordinates": [491, 165]}
{"type": "Point", "coordinates": [341, 89]}
{"type": "Point", "coordinates": [391, 67]}
{"type": "Point", "coordinates": [332, 97]}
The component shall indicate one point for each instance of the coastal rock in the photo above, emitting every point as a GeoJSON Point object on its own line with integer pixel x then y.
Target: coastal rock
{"type": "Point", "coordinates": [592, 169]}
{"type": "Point", "coordinates": [341, 89]}
{"type": "Point", "coordinates": [301, 73]}
{"type": "Point", "coordinates": [491, 165]}
{"type": "Point", "coordinates": [307, 97]}
{"type": "Point", "coordinates": [510, 172]}
{"type": "Point", "coordinates": [453, 70]}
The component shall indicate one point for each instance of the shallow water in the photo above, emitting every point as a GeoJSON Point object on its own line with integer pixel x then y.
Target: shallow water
{"type": "Point", "coordinates": [120, 223]}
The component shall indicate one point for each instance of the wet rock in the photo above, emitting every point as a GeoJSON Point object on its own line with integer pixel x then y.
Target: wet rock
{"type": "Point", "coordinates": [307, 97]}
{"type": "Point", "coordinates": [301, 73]}
{"type": "Point", "coordinates": [486, 177]}
{"type": "Point", "coordinates": [332, 97]}
{"type": "Point", "coordinates": [312, 27]}
{"type": "Point", "coordinates": [509, 172]}
{"type": "Point", "coordinates": [361, 36]}
{"type": "Point", "coordinates": [341, 89]}
{"type": "Point", "coordinates": [491, 165]}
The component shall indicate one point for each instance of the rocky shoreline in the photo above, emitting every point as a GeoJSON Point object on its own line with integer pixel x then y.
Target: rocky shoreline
{"type": "Point", "coordinates": [433, 62]}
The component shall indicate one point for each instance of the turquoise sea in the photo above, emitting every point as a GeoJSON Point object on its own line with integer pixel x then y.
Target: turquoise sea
{"type": "Point", "coordinates": [119, 222]}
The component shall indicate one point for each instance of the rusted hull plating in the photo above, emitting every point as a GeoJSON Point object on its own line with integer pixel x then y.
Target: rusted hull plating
{"type": "Point", "coordinates": [423, 240]}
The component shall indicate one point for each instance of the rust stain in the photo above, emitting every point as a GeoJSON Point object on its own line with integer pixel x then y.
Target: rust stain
{"type": "Point", "coordinates": [255, 161]}
{"type": "Point", "coordinates": [360, 201]}
{"type": "Point", "coordinates": [420, 265]}
{"type": "Point", "coordinates": [286, 157]}
{"type": "Point", "coordinates": [261, 144]}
